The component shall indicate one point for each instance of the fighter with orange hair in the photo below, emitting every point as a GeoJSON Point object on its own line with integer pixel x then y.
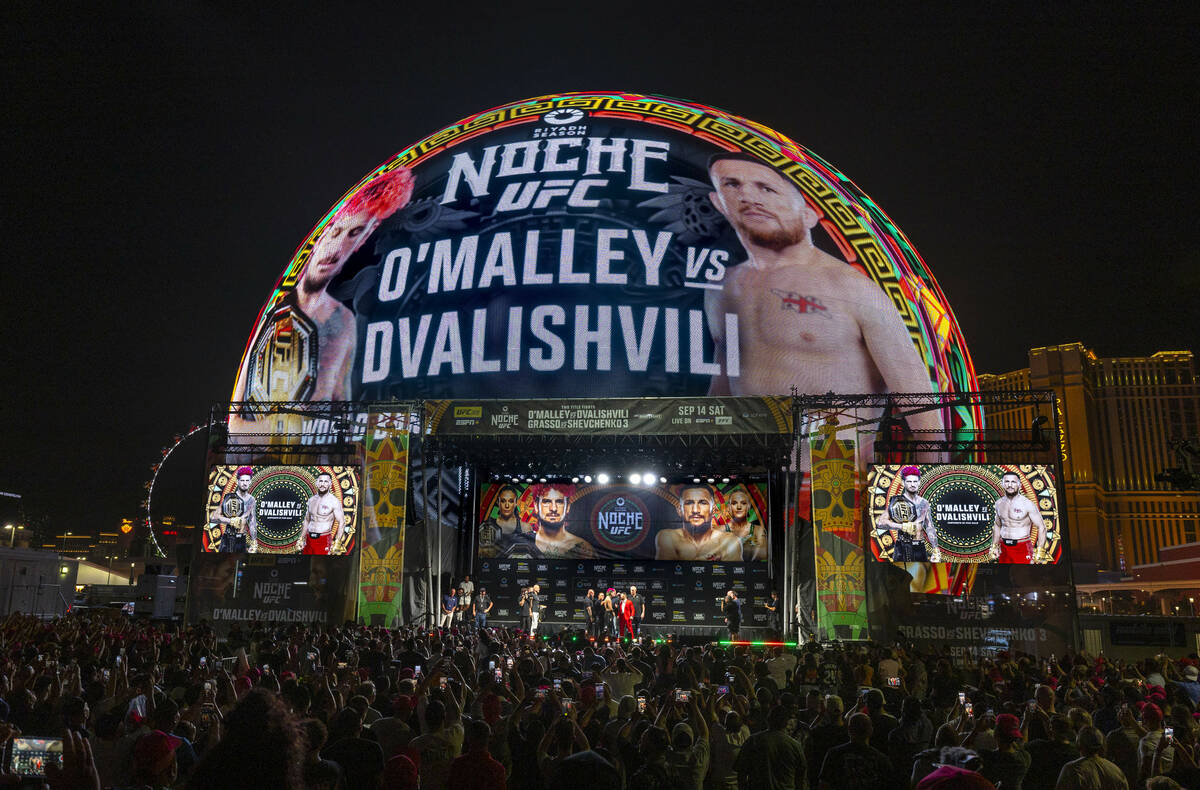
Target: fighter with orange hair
{"type": "Point", "coordinates": [551, 503]}
{"type": "Point", "coordinates": [275, 369]}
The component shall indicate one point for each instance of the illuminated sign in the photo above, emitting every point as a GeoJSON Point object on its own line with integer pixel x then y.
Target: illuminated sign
{"type": "Point", "coordinates": [964, 513]}
{"type": "Point", "coordinates": [282, 510]}
{"type": "Point", "coordinates": [604, 245]}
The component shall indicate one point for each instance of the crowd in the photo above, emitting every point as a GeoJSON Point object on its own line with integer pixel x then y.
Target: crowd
{"type": "Point", "coordinates": [140, 705]}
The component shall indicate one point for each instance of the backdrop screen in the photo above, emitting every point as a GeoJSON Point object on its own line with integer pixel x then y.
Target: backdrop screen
{"type": "Point", "coordinates": [722, 522]}
{"type": "Point", "coordinates": [282, 510]}
{"type": "Point", "coordinates": [975, 513]}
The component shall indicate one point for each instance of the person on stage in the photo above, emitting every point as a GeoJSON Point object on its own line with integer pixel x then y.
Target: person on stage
{"type": "Point", "coordinates": [551, 504]}
{"type": "Point", "coordinates": [598, 615]}
{"type": "Point", "coordinates": [241, 524]}
{"type": "Point", "coordinates": [625, 617]}
{"type": "Point", "coordinates": [449, 605]}
{"type": "Point", "coordinates": [908, 518]}
{"type": "Point", "coordinates": [480, 605]}
{"type": "Point", "coordinates": [534, 602]}
{"type": "Point", "coordinates": [324, 525]}
{"type": "Point", "coordinates": [610, 611]}
{"type": "Point", "coordinates": [732, 609]}
{"type": "Point", "coordinates": [523, 604]}
{"type": "Point", "coordinates": [774, 615]}
{"type": "Point", "coordinates": [751, 533]}
{"type": "Point", "coordinates": [589, 614]}
{"type": "Point", "coordinates": [1012, 531]}
{"type": "Point", "coordinates": [697, 539]}
{"type": "Point", "coordinates": [639, 610]}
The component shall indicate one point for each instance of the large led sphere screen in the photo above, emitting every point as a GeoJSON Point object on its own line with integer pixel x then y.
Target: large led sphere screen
{"type": "Point", "coordinates": [609, 245]}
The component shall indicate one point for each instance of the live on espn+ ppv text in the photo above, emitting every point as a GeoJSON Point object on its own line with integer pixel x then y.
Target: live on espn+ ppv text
{"type": "Point", "coordinates": [604, 245]}
{"type": "Point", "coordinates": [684, 521]}
{"type": "Point", "coordinates": [310, 510]}
{"type": "Point", "coordinates": [965, 513]}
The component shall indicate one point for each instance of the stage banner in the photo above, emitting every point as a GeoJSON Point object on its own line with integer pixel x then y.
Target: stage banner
{"type": "Point", "coordinates": [385, 463]}
{"type": "Point", "coordinates": [837, 537]}
{"type": "Point", "coordinates": [609, 416]}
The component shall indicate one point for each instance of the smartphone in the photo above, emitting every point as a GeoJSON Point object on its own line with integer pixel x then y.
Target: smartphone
{"type": "Point", "coordinates": [1032, 706]}
{"type": "Point", "coordinates": [567, 706]}
{"type": "Point", "coordinates": [510, 662]}
{"type": "Point", "coordinates": [558, 684]}
{"type": "Point", "coordinates": [203, 662]}
{"type": "Point", "coordinates": [641, 704]}
{"type": "Point", "coordinates": [342, 665]}
{"type": "Point", "coordinates": [207, 715]}
{"type": "Point", "coordinates": [962, 697]}
{"type": "Point", "coordinates": [499, 675]}
{"type": "Point", "coordinates": [107, 674]}
{"type": "Point", "coordinates": [30, 756]}
{"type": "Point", "coordinates": [970, 709]}
{"type": "Point", "coordinates": [491, 666]}
{"type": "Point", "coordinates": [599, 690]}
{"type": "Point", "coordinates": [207, 685]}
{"type": "Point", "coordinates": [894, 683]}
{"type": "Point", "coordinates": [683, 695]}
{"type": "Point", "coordinates": [266, 667]}
{"type": "Point", "coordinates": [118, 661]}
{"type": "Point", "coordinates": [722, 689]}
{"type": "Point", "coordinates": [417, 671]}
{"type": "Point", "coordinates": [1169, 734]}
{"type": "Point", "coordinates": [442, 681]}
{"type": "Point", "coordinates": [541, 692]}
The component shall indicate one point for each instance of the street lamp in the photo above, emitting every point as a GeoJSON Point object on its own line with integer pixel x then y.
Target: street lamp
{"type": "Point", "coordinates": [12, 536]}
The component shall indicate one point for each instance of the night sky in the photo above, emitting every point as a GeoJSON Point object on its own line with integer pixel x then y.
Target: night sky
{"type": "Point", "coordinates": [163, 160]}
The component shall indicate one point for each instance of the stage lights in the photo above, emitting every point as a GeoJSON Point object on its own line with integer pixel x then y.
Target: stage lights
{"type": "Point", "coordinates": [648, 478]}
{"type": "Point", "coordinates": [602, 478]}
{"type": "Point", "coordinates": [635, 478]}
{"type": "Point", "coordinates": [587, 478]}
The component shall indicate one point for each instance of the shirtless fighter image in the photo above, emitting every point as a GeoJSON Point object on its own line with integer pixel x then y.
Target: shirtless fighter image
{"type": "Point", "coordinates": [552, 503]}
{"type": "Point", "coordinates": [1012, 531]}
{"type": "Point", "coordinates": [805, 319]}
{"type": "Point", "coordinates": [697, 539]}
{"type": "Point", "coordinates": [324, 521]}
{"type": "Point", "coordinates": [752, 534]}
{"type": "Point", "coordinates": [279, 365]}
{"type": "Point", "coordinates": [909, 519]}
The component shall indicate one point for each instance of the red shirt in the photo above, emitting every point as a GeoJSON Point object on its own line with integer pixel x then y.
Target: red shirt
{"type": "Point", "coordinates": [476, 770]}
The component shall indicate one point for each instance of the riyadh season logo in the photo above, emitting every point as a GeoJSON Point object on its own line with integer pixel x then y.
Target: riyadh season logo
{"type": "Point", "coordinates": [563, 116]}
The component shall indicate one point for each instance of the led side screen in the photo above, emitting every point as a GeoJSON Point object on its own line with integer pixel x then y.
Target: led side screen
{"type": "Point", "coordinates": [725, 522]}
{"type": "Point", "coordinates": [282, 510]}
{"type": "Point", "coordinates": [963, 513]}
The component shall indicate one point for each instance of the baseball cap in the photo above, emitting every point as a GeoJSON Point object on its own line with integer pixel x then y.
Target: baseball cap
{"type": "Point", "coordinates": [154, 750]}
{"type": "Point", "coordinates": [1008, 724]}
{"type": "Point", "coordinates": [1191, 673]}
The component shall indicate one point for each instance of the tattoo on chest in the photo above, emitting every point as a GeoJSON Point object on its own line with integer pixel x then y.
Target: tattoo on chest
{"type": "Point", "coordinates": [801, 304]}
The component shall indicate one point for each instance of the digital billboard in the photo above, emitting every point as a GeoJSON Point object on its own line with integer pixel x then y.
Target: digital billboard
{"type": "Point", "coordinates": [692, 521]}
{"type": "Point", "coordinates": [964, 513]}
{"type": "Point", "coordinates": [310, 510]}
{"type": "Point", "coordinates": [608, 245]}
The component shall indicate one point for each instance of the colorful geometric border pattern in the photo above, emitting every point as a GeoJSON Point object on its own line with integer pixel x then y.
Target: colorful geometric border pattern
{"type": "Point", "coordinates": [865, 234]}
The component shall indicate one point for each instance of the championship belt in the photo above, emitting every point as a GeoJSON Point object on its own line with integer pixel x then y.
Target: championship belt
{"type": "Point", "coordinates": [487, 537]}
{"type": "Point", "coordinates": [902, 513]}
{"type": "Point", "coordinates": [283, 360]}
{"type": "Point", "coordinates": [234, 509]}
